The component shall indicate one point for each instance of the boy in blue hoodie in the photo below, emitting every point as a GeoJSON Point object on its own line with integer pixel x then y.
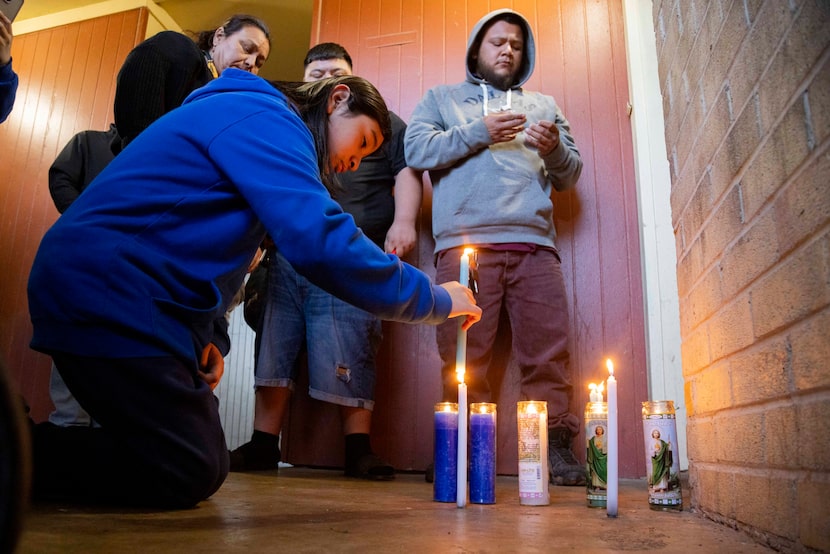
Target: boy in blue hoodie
{"type": "Point", "coordinates": [153, 252]}
{"type": "Point", "coordinates": [494, 152]}
{"type": "Point", "coordinates": [341, 340]}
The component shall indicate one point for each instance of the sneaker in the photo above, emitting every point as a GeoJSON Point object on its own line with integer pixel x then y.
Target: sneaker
{"type": "Point", "coordinates": [371, 467]}
{"type": "Point", "coordinates": [564, 469]}
{"type": "Point", "coordinates": [255, 456]}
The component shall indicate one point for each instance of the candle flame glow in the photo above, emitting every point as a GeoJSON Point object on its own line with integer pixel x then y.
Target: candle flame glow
{"type": "Point", "coordinates": [610, 365]}
{"type": "Point", "coordinates": [447, 408]}
{"type": "Point", "coordinates": [531, 409]}
{"type": "Point", "coordinates": [468, 251]}
{"type": "Point", "coordinates": [592, 386]}
{"type": "Point", "coordinates": [459, 372]}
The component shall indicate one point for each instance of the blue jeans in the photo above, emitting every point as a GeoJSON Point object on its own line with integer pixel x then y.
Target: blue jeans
{"type": "Point", "coordinates": [530, 288]}
{"type": "Point", "coordinates": [342, 341]}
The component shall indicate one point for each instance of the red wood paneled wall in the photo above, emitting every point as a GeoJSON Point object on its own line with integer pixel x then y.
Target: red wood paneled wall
{"type": "Point", "coordinates": [406, 47]}
{"type": "Point", "coordinates": [67, 84]}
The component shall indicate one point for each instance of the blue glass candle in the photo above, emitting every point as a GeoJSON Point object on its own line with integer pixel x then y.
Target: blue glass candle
{"type": "Point", "coordinates": [445, 457]}
{"type": "Point", "coordinates": [483, 453]}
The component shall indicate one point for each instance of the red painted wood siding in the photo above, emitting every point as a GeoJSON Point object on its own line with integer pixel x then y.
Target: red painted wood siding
{"type": "Point", "coordinates": [406, 47]}
{"type": "Point", "coordinates": [67, 84]}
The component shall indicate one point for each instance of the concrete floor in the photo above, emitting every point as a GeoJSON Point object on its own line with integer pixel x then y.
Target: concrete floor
{"type": "Point", "coordinates": [314, 510]}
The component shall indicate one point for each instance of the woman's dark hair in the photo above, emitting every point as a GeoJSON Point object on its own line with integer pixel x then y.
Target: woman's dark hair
{"type": "Point", "coordinates": [205, 38]}
{"type": "Point", "coordinates": [311, 99]}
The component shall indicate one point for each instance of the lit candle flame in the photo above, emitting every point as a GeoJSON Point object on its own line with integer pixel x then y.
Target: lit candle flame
{"type": "Point", "coordinates": [459, 372]}
{"type": "Point", "coordinates": [610, 365]}
{"type": "Point", "coordinates": [447, 408]}
{"type": "Point", "coordinates": [601, 387]}
{"type": "Point", "coordinates": [592, 386]}
{"type": "Point", "coordinates": [531, 409]}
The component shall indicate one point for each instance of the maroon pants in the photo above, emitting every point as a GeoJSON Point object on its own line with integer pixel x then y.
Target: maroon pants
{"type": "Point", "coordinates": [530, 288]}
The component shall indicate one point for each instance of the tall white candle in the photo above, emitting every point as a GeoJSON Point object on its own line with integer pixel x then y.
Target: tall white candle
{"type": "Point", "coordinates": [460, 369]}
{"type": "Point", "coordinates": [613, 450]}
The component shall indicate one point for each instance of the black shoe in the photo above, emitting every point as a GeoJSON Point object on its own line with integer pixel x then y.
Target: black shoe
{"type": "Point", "coordinates": [371, 467]}
{"type": "Point", "coordinates": [564, 469]}
{"type": "Point", "coordinates": [256, 455]}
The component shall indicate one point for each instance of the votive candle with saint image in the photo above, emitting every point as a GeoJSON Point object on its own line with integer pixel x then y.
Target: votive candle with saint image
{"type": "Point", "coordinates": [662, 460]}
{"type": "Point", "coordinates": [596, 439]}
{"type": "Point", "coordinates": [532, 420]}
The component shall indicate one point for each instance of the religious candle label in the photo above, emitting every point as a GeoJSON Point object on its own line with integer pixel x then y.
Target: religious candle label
{"type": "Point", "coordinates": [596, 466]}
{"type": "Point", "coordinates": [533, 453]}
{"type": "Point", "coordinates": [662, 461]}
{"type": "Point", "coordinates": [483, 453]}
{"type": "Point", "coordinates": [445, 452]}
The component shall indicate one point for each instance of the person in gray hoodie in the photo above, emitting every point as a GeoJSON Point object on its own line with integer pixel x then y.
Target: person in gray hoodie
{"type": "Point", "coordinates": [494, 153]}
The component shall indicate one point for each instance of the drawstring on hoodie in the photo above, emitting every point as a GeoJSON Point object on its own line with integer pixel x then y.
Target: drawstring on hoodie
{"type": "Point", "coordinates": [508, 103]}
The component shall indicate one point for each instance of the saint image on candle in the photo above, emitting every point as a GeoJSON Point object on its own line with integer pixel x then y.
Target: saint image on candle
{"type": "Point", "coordinates": [661, 461]}
{"type": "Point", "coordinates": [598, 459]}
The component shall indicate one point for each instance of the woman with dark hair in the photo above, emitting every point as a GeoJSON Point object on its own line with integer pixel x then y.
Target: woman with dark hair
{"type": "Point", "coordinates": [159, 73]}
{"type": "Point", "coordinates": [156, 77]}
{"type": "Point", "coordinates": [157, 246]}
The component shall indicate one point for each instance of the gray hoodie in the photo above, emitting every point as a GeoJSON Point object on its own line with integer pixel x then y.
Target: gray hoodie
{"type": "Point", "coordinates": [487, 193]}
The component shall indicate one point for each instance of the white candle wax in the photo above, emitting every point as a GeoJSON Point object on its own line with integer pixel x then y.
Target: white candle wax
{"type": "Point", "coordinates": [613, 450]}
{"type": "Point", "coordinates": [460, 369]}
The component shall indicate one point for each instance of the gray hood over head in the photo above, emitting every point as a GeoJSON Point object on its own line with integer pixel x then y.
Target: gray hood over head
{"type": "Point", "coordinates": [528, 55]}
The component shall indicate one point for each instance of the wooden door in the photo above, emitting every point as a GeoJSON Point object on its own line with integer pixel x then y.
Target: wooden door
{"type": "Point", "coordinates": [406, 47]}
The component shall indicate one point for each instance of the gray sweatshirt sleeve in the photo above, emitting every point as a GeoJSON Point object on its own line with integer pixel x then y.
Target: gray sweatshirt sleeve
{"type": "Point", "coordinates": [433, 142]}
{"type": "Point", "coordinates": [563, 164]}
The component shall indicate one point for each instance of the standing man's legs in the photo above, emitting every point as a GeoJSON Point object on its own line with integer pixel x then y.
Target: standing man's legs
{"type": "Point", "coordinates": [279, 340]}
{"type": "Point", "coordinates": [342, 344]}
{"type": "Point", "coordinates": [538, 309]}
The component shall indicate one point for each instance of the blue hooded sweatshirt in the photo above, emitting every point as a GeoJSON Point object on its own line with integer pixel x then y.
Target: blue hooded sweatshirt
{"type": "Point", "coordinates": [486, 193]}
{"type": "Point", "coordinates": [151, 254]}
{"type": "Point", "coordinates": [8, 90]}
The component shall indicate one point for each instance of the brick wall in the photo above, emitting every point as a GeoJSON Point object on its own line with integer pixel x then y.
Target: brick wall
{"type": "Point", "coordinates": [746, 99]}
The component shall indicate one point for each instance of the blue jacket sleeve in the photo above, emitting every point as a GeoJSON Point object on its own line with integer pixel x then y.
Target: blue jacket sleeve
{"type": "Point", "coordinates": [270, 157]}
{"type": "Point", "coordinates": [8, 90]}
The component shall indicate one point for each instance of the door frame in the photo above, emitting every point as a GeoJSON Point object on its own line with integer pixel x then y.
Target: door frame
{"type": "Point", "coordinates": [657, 246]}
